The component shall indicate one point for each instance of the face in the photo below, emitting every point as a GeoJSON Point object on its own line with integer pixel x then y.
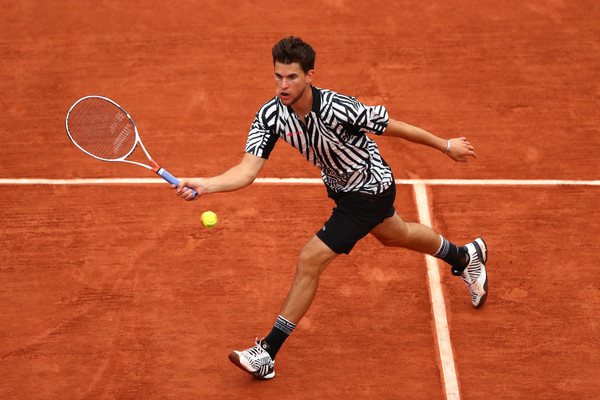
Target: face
{"type": "Point", "coordinates": [291, 82]}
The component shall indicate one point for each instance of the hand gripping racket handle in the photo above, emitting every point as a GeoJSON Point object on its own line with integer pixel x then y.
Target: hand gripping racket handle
{"type": "Point", "coordinates": [172, 180]}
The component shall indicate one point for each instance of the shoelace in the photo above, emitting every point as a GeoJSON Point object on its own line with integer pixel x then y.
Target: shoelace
{"type": "Point", "coordinates": [257, 356]}
{"type": "Point", "coordinates": [255, 351]}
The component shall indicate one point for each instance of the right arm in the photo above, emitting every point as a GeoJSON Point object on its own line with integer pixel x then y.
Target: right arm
{"type": "Point", "coordinates": [235, 178]}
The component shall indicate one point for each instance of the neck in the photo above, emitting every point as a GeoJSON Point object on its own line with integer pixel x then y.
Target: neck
{"type": "Point", "coordinates": [304, 104]}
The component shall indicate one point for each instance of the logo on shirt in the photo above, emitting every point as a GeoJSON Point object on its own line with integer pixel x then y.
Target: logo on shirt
{"type": "Point", "coordinates": [297, 133]}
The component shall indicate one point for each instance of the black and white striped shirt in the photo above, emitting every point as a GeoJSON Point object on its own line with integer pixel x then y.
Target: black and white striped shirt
{"type": "Point", "coordinates": [334, 139]}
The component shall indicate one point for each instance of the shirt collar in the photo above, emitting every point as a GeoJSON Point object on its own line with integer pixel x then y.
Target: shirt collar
{"type": "Point", "coordinates": [316, 105]}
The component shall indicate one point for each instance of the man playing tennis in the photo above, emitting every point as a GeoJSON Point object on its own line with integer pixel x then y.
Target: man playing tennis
{"type": "Point", "coordinates": [330, 131]}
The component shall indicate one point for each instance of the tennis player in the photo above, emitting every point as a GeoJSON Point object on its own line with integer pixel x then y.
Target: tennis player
{"type": "Point", "coordinates": [331, 131]}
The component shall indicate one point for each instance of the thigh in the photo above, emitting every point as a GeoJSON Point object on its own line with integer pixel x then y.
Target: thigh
{"type": "Point", "coordinates": [411, 235]}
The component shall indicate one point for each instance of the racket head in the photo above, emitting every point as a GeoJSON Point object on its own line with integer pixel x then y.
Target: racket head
{"type": "Point", "coordinates": [101, 128]}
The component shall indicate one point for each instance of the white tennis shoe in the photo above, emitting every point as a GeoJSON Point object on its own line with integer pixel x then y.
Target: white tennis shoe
{"type": "Point", "coordinates": [475, 274]}
{"type": "Point", "coordinates": [255, 360]}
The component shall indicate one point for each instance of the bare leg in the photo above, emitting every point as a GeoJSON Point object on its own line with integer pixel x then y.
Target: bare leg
{"type": "Point", "coordinates": [395, 232]}
{"type": "Point", "coordinates": [314, 258]}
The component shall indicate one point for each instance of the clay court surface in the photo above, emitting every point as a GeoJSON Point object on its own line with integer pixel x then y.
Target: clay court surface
{"type": "Point", "coordinates": [116, 291]}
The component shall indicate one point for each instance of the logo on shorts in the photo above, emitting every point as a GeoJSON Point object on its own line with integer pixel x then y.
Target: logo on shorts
{"type": "Point", "coordinates": [323, 229]}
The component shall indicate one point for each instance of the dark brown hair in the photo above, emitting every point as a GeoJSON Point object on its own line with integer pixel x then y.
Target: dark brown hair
{"type": "Point", "coordinates": [293, 49]}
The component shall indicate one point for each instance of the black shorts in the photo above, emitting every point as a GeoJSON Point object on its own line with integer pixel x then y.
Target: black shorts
{"type": "Point", "coordinates": [355, 215]}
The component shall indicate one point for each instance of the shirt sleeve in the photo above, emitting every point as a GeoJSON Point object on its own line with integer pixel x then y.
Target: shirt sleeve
{"type": "Point", "coordinates": [359, 118]}
{"type": "Point", "coordinates": [371, 119]}
{"type": "Point", "coordinates": [261, 138]}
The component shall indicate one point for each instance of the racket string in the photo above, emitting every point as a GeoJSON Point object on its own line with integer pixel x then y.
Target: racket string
{"type": "Point", "coordinates": [101, 128]}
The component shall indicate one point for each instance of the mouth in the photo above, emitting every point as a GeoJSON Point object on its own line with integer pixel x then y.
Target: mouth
{"type": "Point", "coordinates": [284, 95]}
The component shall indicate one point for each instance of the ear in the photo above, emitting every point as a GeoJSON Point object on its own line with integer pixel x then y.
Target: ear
{"type": "Point", "coordinates": [310, 75]}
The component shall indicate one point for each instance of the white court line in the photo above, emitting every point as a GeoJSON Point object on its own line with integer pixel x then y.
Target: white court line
{"type": "Point", "coordinates": [437, 303]}
{"type": "Point", "coordinates": [315, 181]}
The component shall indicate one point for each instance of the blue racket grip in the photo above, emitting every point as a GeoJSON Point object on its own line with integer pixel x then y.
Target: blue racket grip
{"type": "Point", "coordinates": [172, 180]}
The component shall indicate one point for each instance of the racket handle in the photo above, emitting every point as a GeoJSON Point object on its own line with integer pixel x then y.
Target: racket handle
{"type": "Point", "coordinates": [171, 179]}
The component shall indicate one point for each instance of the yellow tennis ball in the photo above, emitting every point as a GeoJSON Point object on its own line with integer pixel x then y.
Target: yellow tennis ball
{"type": "Point", "coordinates": [209, 219]}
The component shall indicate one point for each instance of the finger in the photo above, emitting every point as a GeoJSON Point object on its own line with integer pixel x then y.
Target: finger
{"type": "Point", "coordinates": [469, 153]}
{"type": "Point", "coordinates": [190, 196]}
{"type": "Point", "coordinates": [183, 189]}
{"type": "Point", "coordinates": [460, 158]}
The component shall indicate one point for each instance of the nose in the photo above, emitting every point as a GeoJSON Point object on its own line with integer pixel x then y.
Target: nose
{"type": "Point", "coordinates": [284, 83]}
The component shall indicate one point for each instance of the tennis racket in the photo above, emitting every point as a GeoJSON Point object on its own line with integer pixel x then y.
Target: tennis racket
{"type": "Point", "coordinates": [102, 129]}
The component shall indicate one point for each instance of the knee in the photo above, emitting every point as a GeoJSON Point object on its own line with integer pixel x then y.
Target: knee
{"type": "Point", "coordinates": [313, 260]}
{"type": "Point", "coordinates": [307, 265]}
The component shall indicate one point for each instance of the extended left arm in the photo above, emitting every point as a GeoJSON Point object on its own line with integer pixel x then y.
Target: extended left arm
{"type": "Point", "coordinates": [459, 149]}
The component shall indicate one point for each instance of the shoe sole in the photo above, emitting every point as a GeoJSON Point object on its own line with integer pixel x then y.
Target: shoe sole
{"type": "Point", "coordinates": [234, 357]}
{"type": "Point", "coordinates": [482, 253]}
